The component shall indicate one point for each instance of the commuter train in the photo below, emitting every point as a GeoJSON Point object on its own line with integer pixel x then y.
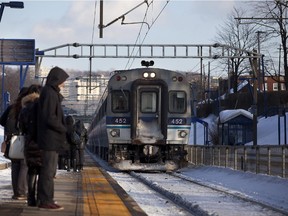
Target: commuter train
{"type": "Point", "coordinates": [143, 120]}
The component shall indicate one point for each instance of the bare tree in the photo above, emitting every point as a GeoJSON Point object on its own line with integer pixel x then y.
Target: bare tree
{"type": "Point", "coordinates": [271, 16]}
{"type": "Point", "coordinates": [240, 36]}
{"type": "Point", "coordinates": [12, 82]}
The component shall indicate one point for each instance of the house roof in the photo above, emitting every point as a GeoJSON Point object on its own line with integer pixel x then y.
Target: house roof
{"type": "Point", "coordinates": [227, 115]}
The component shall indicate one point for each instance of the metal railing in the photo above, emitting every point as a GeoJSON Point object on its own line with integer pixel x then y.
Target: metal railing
{"type": "Point", "coordinates": [270, 160]}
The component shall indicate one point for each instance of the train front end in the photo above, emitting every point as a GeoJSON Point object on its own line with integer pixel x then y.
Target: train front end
{"type": "Point", "coordinates": [148, 119]}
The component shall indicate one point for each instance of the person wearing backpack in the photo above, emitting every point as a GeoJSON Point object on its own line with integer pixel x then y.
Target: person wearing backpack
{"type": "Point", "coordinates": [82, 132]}
{"type": "Point", "coordinates": [32, 153]}
{"type": "Point", "coordinates": [51, 136]}
{"type": "Point", "coordinates": [74, 141]}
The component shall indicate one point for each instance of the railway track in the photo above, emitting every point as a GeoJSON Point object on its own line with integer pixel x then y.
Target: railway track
{"type": "Point", "coordinates": [200, 199]}
{"type": "Point", "coordinates": [184, 195]}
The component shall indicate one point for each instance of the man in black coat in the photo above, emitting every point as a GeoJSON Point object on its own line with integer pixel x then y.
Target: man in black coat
{"type": "Point", "coordinates": [51, 136]}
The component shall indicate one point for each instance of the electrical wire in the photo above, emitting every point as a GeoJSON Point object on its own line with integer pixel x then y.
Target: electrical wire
{"type": "Point", "coordinates": [138, 36]}
{"type": "Point", "coordinates": [153, 22]}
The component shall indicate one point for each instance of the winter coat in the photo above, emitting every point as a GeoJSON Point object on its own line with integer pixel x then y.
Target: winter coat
{"type": "Point", "coordinates": [33, 155]}
{"type": "Point", "coordinates": [51, 124]}
{"type": "Point", "coordinates": [10, 117]}
{"type": "Point", "coordinates": [9, 121]}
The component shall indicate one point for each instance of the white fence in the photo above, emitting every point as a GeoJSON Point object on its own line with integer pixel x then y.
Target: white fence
{"type": "Point", "coordinates": [270, 160]}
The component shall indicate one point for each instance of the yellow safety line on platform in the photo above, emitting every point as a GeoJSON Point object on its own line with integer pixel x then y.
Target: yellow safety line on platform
{"type": "Point", "coordinates": [99, 197]}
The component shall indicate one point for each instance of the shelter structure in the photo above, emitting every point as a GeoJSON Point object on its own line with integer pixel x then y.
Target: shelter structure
{"type": "Point", "coordinates": [235, 127]}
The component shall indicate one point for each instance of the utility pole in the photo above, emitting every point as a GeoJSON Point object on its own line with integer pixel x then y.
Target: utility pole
{"type": "Point", "coordinates": [229, 84]}
{"type": "Point", "coordinates": [254, 67]}
{"type": "Point", "coordinates": [259, 62]}
{"type": "Point", "coordinates": [208, 83]}
{"type": "Point", "coordinates": [279, 70]}
{"type": "Point", "coordinates": [101, 20]}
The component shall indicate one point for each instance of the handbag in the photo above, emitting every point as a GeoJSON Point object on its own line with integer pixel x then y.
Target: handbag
{"type": "Point", "coordinates": [3, 146]}
{"type": "Point", "coordinates": [16, 150]}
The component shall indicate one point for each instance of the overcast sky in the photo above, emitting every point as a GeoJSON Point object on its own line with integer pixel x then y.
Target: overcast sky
{"type": "Point", "coordinates": [53, 23]}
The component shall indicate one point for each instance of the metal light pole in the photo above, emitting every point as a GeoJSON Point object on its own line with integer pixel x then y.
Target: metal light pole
{"type": "Point", "coordinates": [11, 4]}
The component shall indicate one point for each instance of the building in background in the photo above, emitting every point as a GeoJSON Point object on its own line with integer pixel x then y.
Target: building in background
{"type": "Point", "coordinates": [81, 94]}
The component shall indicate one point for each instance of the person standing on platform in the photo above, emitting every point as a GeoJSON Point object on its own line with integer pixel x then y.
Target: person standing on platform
{"type": "Point", "coordinates": [82, 132]}
{"type": "Point", "coordinates": [51, 137]}
{"type": "Point", "coordinates": [9, 120]}
{"type": "Point", "coordinates": [73, 142]}
{"type": "Point", "coordinates": [28, 125]}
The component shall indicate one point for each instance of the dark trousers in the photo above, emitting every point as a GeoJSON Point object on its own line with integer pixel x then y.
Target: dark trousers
{"type": "Point", "coordinates": [74, 157]}
{"type": "Point", "coordinates": [33, 172]}
{"type": "Point", "coordinates": [19, 177]}
{"type": "Point", "coordinates": [45, 192]}
{"type": "Point", "coordinates": [81, 158]}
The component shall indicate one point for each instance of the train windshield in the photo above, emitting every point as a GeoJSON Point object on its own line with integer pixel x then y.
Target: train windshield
{"type": "Point", "coordinates": [177, 102]}
{"type": "Point", "coordinates": [148, 102]}
{"type": "Point", "coordinates": [120, 101]}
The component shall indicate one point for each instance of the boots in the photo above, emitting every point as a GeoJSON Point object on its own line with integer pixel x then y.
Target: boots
{"type": "Point", "coordinates": [31, 200]}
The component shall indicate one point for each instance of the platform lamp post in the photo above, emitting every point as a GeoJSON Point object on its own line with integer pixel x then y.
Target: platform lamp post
{"type": "Point", "coordinates": [11, 4]}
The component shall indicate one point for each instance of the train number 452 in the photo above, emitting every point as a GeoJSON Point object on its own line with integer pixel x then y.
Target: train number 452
{"type": "Point", "coordinates": [120, 121]}
{"type": "Point", "coordinates": [177, 121]}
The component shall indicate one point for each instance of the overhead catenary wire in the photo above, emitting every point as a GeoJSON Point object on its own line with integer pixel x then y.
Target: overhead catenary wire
{"type": "Point", "coordinates": [153, 22]}
{"type": "Point", "coordinates": [139, 33]}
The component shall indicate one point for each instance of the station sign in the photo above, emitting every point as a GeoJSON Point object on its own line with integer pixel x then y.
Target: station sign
{"type": "Point", "coordinates": [17, 51]}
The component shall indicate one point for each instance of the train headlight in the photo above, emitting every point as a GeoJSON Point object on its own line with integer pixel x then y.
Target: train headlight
{"type": "Point", "coordinates": [115, 133]}
{"type": "Point", "coordinates": [146, 75]}
{"type": "Point", "coordinates": [151, 75]}
{"type": "Point", "coordinates": [182, 133]}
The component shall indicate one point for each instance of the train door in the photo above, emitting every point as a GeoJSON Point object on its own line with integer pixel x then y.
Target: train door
{"type": "Point", "coordinates": [148, 114]}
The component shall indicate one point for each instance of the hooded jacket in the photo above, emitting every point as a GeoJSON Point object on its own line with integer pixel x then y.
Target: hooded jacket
{"type": "Point", "coordinates": [51, 123]}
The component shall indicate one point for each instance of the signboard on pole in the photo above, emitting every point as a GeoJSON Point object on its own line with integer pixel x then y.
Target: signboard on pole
{"type": "Point", "coordinates": [17, 51]}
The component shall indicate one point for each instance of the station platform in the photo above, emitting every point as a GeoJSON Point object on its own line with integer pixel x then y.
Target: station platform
{"type": "Point", "coordinates": [89, 192]}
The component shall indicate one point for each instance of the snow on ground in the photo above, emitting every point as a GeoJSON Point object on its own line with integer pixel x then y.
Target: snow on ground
{"type": "Point", "coordinates": [271, 190]}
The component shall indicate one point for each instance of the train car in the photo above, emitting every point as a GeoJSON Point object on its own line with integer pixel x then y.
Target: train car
{"type": "Point", "coordinates": [143, 120]}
